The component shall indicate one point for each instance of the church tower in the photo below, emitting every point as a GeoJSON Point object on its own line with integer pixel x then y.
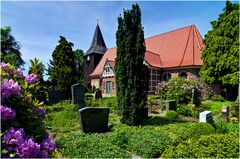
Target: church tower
{"type": "Point", "coordinates": [93, 55]}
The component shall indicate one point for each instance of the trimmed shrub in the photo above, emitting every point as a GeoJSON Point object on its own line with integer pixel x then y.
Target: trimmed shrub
{"type": "Point", "coordinates": [217, 98]}
{"type": "Point", "coordinates": [225, 127]}
{"type": "Point", "coordinates": [212, 146]}
{"type": "Point", "coordinates": [148, 143]}
{"type": "Point", "coordinates": [183, 131]}
{"type": "Point", "coordinates": [79, 145]}
{"type": "Point", "coordinates": [184, 110]}
{"type": "Point", "coordinates": [171, 114]}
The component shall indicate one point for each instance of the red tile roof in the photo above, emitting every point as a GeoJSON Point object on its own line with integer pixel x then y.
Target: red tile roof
{"type": "Point", "coordinates": [181, 47]}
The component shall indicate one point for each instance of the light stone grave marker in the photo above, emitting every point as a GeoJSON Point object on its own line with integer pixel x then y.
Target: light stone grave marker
{"type": "Point", "coordinates": [206, 117]}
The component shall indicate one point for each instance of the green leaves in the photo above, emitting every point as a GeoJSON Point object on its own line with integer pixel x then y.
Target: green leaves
{"type": "Point", "coordinates": [220, 56]}
{"type": "Point", "coordinates": [130, 57]}
{"type": "Point", "coordinates": [63, 70]}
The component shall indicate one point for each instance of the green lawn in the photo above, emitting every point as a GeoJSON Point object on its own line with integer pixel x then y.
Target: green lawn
{"type": "Point", "coordinates": [215, 106]}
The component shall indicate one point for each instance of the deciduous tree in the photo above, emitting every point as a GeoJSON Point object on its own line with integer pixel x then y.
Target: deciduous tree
{"type": "Point", "coordinates": [221, 54]}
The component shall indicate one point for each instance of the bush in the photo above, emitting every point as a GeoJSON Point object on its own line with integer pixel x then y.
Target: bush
{"type": "Point", "coordinates": [23, 130]}
{"type": "Point", "coordinates": [180, 89]}
{"type": "Point", "coordinates": [171, 114]}
{"type": "Point", "coordinates": [225, 127]}
{"type": "Point", "coordinates": [215, 107]}
{"type": "Point", "coordinates": [234, 109]}
{"type": "Point", "coordinates": [184, 110]}
{"type": "Point", "coordinates": [211, 146]}
{"type": "Point", "coordinates": [183, 131]}
{"type": "Point", "coordinates": [217, 98]}
{"type": "Point", "coordinates": [148, 143]}
{"type": "Point", "coordinates": [79, 145]}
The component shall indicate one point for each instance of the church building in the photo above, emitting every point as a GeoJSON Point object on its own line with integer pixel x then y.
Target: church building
{"type": "Point", "coordinates": [175, 53]}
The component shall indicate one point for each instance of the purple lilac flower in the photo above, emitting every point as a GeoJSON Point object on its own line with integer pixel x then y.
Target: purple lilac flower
{"type": "Point", "coordinates": [19, 73]}
{"type": "Point", "coordinates": [32, 78]}
{"type": "Point", "coordinates": [9, 88]}
{"type": "Point", "coordinates": [13, 138]}
{"type": "Point", "coordinates": [48, 145]}
{"type": "Point", "coordinates": [28, 149]}
{"type": "Point", "coordinates": [43, 154]}
{"type": "Point", "coordinates": [40, 111]}
{"type": "Point", "coordinates": [7, 113]}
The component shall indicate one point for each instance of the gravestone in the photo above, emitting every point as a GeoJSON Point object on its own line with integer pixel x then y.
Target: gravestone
{"type": "Point", "coordinates": [56, 96]}
{"type": "Point", "coordinates": [98, 94]}
{"type": "Point", "coordinates": [206, 117]}
{"type": "Point", "coordinates": [225, 113]}
{"type": "Point", "coordinates": [78, 93]}
{"type": "Point", "coordinates": [94, 119]}
{"type": "Point", "coordinates": [195, 97]}
{"type": "Point", "coordinates": [171, 105]}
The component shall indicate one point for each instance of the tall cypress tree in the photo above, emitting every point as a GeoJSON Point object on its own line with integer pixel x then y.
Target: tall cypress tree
{"type": "Point", "coordinates": [63, 68]}
{"type": "Point", "coordinates": [129, 66]}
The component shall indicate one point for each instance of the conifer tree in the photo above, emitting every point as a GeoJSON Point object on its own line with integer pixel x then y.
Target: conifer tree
{"type": "Point", "coordinates": [10, 48]}
{"type": "Point", "coordinates": [221, 54]}
{"type": "Point", "coordinates": [129, 66]}
{"type": "Point", "coordinates": [63, 68]}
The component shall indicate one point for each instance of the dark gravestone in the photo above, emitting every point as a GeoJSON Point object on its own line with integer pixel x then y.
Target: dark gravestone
{"type": "Point", "coordinates": [195, 97]}
{"type": "Point", "coordinates": [56, 96]}
{"type": "Point", "coordinates": [171, 105]}
{"type": "Point", "coordinates": [98, 94]}
{"type": "Point", "coordinates": [78, 93]}
{"type": "Point", "coordinates": [94, 119]}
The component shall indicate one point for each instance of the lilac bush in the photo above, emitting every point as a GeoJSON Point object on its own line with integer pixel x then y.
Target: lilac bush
{"type": "Point", "coordinates": [7, 113]}
{"type": "Point", "coordinates": [48, 145]}
{"type": "Point", "coordinates": [32, 78]}
{"type": "Point", "coordinates": [28, 149]}
{"type": "Point", "coordinates": [13, 138]}
{"type": "Point", "coordinates": [40, 111]}
{"type": "Point", "coordinates": [10, 88]}
{"type": "Point", "coordinates": [29, 140]}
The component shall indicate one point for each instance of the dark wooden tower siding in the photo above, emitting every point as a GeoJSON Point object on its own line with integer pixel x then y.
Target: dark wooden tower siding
{"type": "Point", "coordinates": [93, 55]}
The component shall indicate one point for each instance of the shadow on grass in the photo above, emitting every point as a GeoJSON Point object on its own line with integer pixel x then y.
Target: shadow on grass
{"type": "Point", "coordinates": [158, 120]}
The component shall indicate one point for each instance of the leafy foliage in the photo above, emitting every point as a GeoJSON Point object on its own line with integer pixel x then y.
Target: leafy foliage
{"type": "Point", "coordinates": [130, 56]}
{"type": "Point", "coordinates": [221, 54]}
{"type": "Point", "coordinates": [10, 48]}
{"type": "Point", "coordinates": [89, 146]}
{"type": "Point", "coordinates": [225, 127]}
{"type": "Point", "coordinates": [180, 89]}
{"type": "Point", "coordinates": [212, 146]}
{"type": "Point", "coordinates": [171, 114]}
{"type": "Point", "coordinates": [215, 107]}
{"type": "Point", "coordinates": [63, 67]}
{"type": "Point", "coordinates": [39, 93]}
{"type": "Point", "coordinates": [78, 57]}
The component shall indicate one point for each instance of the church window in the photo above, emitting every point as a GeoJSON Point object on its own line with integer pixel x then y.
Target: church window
{"type": "Point", "coordinates": [166, 76]}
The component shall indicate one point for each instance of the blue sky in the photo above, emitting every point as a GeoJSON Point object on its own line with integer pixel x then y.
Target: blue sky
{"type": "Point", "coordinates": [38, 25]}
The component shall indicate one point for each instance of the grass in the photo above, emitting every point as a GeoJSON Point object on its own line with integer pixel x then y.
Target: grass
{"type": "Point", "coordinates": [215, 106]}
{"type": "Point", "coordinates": [64, 121]}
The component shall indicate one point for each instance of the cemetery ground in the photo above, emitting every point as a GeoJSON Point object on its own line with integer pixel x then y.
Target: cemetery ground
{"type": "Point", "coordinates": [163, 134]}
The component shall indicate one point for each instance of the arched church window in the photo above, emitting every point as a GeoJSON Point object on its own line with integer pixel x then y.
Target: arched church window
{"type": "Point", "coordinates": [183, 75]}
{"type": "Point", "coordinates": [166, 76]}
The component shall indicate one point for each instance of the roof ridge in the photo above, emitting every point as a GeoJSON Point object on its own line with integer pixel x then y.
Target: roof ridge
{"type": "Point", "coordinates": [151, 52]}
{"type": "Point", "coordinates": [186, 46]}
{"type": "Point", "coordinates": [170, 31]}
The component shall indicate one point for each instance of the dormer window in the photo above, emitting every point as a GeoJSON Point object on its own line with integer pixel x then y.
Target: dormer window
{"type": "Point", "coordinates": [88, 58]}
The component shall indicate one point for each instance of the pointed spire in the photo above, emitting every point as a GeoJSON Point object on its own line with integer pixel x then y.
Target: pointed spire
{"type": "Point", "coordinates": [98, 45]}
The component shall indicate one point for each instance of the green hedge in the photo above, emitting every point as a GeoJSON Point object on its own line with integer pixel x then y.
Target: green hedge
{"type": "Point", "coordinates": [171, 114]}
{"type": "Point", "coordinates": [79, 145]}
{"type": "Point", "coordinates": [211, 146]}
{"type": "Point", "coordinates": [226, 127]}
{"type": "Point", "coordinates": [148, 143]}
{"type": "Point", "coordinates": [183, 131]}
